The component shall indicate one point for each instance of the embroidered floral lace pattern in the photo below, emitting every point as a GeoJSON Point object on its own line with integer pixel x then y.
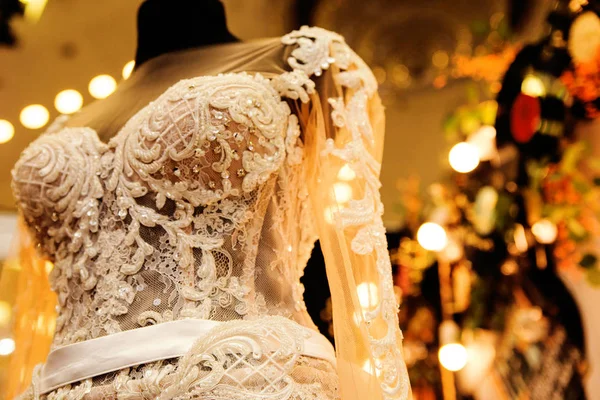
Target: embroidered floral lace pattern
{"type": "Point", "coordinates": [198, 208]}
{"type": "Point", "coordinates": [316, 50]}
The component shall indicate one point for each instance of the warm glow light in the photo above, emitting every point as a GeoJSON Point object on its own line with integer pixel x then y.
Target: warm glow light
{"type": "Point", "coordinates": [34, 9]}
{"type": "Point", "coordinates": [102, 86]}
{"type": "Point", "coordinates": [329, 215]}
{"type": "Point", "coordinates": [5, 311]}
{"type": "Point", "coordinates": [583, 37]}
{"type": "Point", "coordinates": [367, 294]}
{"type": "Point", "coordinates": [432, 237]}
{"type": "Point", "coordinates": [68, 101]}
{"type": "Point", "coordinates": [440, 59]}
{"type": "Point", "coordinates": [128, 69]}
{"type": "Point", "coordinates": [368, 367]}
{"type": "Point", "coordinates": [520, 239]}
{"type": "Point", "coordinates": [7, 131]}
{"type": "Point", "coordinates": [545, 231]}
{"type": "Point", "coordinates": [7, 346]}
{"type": "Point", "coordinates": [452, 252]}
{"type": "Point", "coordinates": [346, 173]}
{"type": "Point", "coordinates": [357, 317]}
{"type": "Point", "coordinates": [343, 192]}
{"type": "Point", "coordinates": [453, 356]}
{"type": "Point", "coordinates": [576, 5]}
{"type": "Point", "coordinates": [485, 142]}
{"type": "Point", "coordinates": [481, 347]}
{"type": "Point", "coordinates": [401, 75]}
{"type": "Point", "coordinates": [51, 326]}
{"type": "Point", "coordinates": [34, 116]}
{"type": "Point", "coordinates": [48, 266]}
{"type": "Point", "coordinates": [533, 86]}
{"type": "Point", "coordinates": [510, 267]}
{"type": "Point", "coordinates": [464, 157]}
{"type": "Point", "coordinates": [380, 74]}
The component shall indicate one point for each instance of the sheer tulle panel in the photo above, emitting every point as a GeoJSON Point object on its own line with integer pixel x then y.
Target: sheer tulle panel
{"type": "Point", "coordinates": [344, 128]}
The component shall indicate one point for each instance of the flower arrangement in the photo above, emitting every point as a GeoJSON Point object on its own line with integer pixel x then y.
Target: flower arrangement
{"type": "Point", "coordinates": [582, 78]}
{"type": "Point", "coordinates": [571, 195]}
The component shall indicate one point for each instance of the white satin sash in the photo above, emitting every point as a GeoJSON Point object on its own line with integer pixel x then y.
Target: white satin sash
{"type": "Point", "coordinates": [79, 361]}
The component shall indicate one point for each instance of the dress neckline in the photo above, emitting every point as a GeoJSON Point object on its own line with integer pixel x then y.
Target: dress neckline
{"type": "Point", "coordinates": [60, 122]}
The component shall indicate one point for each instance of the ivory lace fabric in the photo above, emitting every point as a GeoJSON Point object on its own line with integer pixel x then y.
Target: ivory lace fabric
{"type": "Point", "coordinates": [206, 205]}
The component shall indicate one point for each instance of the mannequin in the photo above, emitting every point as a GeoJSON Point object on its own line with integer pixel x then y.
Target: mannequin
{"type": "Point", "coordinates": [179, 242]}
{"type": "Point", "coordinates": [177, 39]}
{"type": "Point", "coordinates": [185, 24]}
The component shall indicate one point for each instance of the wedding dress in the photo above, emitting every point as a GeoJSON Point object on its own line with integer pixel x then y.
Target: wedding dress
{"type": "Point", "coordinates": [178, 244]}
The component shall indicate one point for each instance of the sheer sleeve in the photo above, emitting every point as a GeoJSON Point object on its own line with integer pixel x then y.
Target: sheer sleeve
{"type": "Point", "coordinates": [343, 133]}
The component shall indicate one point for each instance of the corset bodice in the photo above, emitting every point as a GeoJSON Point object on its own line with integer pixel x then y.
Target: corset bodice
{"type": "Point", "coordinates": [205, 206]}
{"type": "Point", "coordinates": [195, 209]}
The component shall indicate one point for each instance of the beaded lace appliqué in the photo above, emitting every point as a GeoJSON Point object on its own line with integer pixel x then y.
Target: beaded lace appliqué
{"type": "Point", "coordinates": [166, 220]}
{"type": "Point", "coordinates": [316, 50]}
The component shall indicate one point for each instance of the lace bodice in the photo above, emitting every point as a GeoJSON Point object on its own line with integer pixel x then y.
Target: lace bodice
{"type": "Point", "coordinates": [199, 206]}
{"type": "Point", "coordinates": [196, 209]}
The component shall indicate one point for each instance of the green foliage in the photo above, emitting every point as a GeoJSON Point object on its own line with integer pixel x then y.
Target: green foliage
{"type": "Point", "coordinates": [593, 276]}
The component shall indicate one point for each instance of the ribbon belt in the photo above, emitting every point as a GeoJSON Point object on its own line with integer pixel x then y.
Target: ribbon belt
{"type": "Point", "coordinates": [94, 357]}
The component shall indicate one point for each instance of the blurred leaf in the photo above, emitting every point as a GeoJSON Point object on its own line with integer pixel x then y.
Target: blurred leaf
{"type": "Point", "coordinates": [537, 172]}
{"type": "Point", "coordinates": [588, 261]}
{"type": "Point", "coordinates": [472, 95]}
{"type": "Point", "coordinates": [594, 163]}
{"type": "Point", "coordinates": [581, 186]}
{"type": "Point", "coordinates": [504, 29]}
{"type": "Point", "coordinates": [576, 230]}
{"type": "Point", "coordinates": [533, 205]}
{"type": "Point", "coordinates": [502, 211]}
{"type": "Point", "coordinates": [573, 156]}
{"type": "Point", "coordinates": [480, 27]}
{"type": "Point", "coordinates": [470, 123]}
{"type": "Point", "coordinates": [488, 110]}
{"type": "Point", "coordinates": [593, 276]}
{"type": "Point", "coordinates": [399, 208]}
{"type": "Point", "coordinates": [451, 129]}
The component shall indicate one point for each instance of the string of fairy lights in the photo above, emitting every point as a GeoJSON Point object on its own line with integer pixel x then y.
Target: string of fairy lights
{"type": "Point", "coordinates": [68, 101]}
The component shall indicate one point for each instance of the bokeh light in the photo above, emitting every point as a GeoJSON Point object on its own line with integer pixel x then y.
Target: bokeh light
{"type": "Point", "coordinates": [346, 173]}
{"type": "Point", "coordinates": [68, 101]}
{"type": "Point", "coordinates": [128, 69]}
{"type": "Point", "coordinates": [545, 231]}
{"type": "Point", "coordinates": [533, 86]}
{"type": "Point", "coordinates": [7, 346]}
{"type": "Point", "coordinates": [343, 192]}
{"type": "Point", "coordinates": [34, 116]}
{"type": "Point", "coordinates": [102, 86]}
{"type": "Point", "coordinates": [453, 356]}
{"type": "Point", "coordinates": [432, 237]}
{"type": "Point", "coordinates": [7, 131]}
{"type": "Point", "coordinates": [368, 296]}
{"type": "Point", "coordinates": [464, 157]}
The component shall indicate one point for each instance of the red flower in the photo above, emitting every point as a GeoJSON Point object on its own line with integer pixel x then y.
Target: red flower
{"type": "Point", "coordinates": [525, 117]}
